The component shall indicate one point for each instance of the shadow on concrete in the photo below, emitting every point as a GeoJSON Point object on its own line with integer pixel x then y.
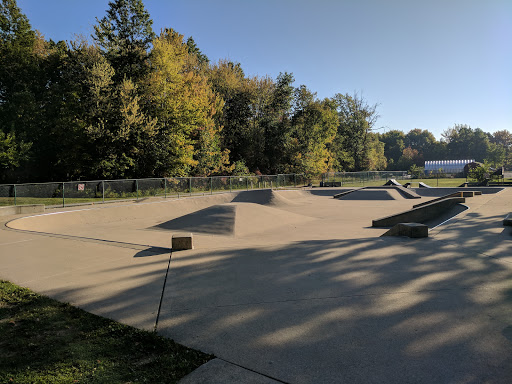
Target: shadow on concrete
{"type": "Point", "coordinates": [359, 310]}
{"type": "Point", "coordinates": [355, 310]}
{"type": "Point", "coordinates": [153, 251]}
{"type": "Point", "coordinates": [368, 194]}
{"type": "Point", "coordinates": [215, 220]}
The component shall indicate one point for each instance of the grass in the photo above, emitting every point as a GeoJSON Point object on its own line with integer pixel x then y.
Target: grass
{"type": "Point", "coordinates": [442, 182]}
{"type": "Point", "coordinates": [45, 341]}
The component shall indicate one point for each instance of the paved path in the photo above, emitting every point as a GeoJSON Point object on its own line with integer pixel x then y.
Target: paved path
{"type": "Point", "coordinates": [298, 290]}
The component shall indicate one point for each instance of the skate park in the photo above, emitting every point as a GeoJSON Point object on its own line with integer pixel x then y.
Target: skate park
{"type": "Point", "coordinates": [291, 286]}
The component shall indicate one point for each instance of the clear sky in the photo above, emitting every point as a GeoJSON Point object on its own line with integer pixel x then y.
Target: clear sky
{"type": "Point", "coordinates": [428, 64]}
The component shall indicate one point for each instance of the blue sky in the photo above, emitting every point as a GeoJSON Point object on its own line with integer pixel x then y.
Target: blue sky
{"type": "Point", "coordinates": [428, 64]}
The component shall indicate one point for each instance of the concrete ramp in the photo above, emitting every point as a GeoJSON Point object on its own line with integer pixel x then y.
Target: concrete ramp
{"type": "Point", "coordinates": [392, 182]}
{"type": "Point", "coordinates": [215, 220]}
{"type": "Point", "coordinates": [423, 185]}
{"type": "Point", "coordinates": [421, 214]}
{"type": "Point", "coordinates": [372, 194]}
{"type": "Point", "coordinates": [413, 230]}
{"type": "Point", "coordinates": [270, 197]}
{"type": "Point", "coordinates": [233, 219]}
{"type": "Point", "coordinates": [254, 218]}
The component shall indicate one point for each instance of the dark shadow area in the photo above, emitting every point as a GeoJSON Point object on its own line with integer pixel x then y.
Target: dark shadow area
{"type": "Point", "coordinates": [263, 196]}
{"type": "Point", "coordinates": [368, 194]}
{"type": "Point", "coordinates": [446, 215]}
{"type": "Point", "coordinates": [438, 192]}
{"type": "Point", "coordinates": [153, 251]}
{"type": "Point", "coordinates": [327, 192]}
{"type": "Point", "coordinates": [400, 310]}
{"type": "Point", "coordinates": [215, 220]}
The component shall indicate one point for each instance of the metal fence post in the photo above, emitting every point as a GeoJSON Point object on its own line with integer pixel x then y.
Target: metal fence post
{"type": "Point", "coordinates": [14, 194]}
{"type": "Point", "coordinates": [165, 188]}
{"type": "Point", "coordinates": [103, 190]}
{"type": "Point", "coordinates": [190, 186]}
{"type": "Point", "coordinates": [63, 198]}
{"type": "Point", "coordinates": [230, 184]}
{"type": "Point", "coordinates": [211, 185]}
{"type": "Point", "coordinates": [137, 188]}
{"type": "Point", "coordinates": [247, 183]}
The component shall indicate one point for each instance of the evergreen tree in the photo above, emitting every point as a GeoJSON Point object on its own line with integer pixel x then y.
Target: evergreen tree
{"type": "Point", "coordinates": [194, 50]}
{"type": "Point", "coordinates": [125, 35]}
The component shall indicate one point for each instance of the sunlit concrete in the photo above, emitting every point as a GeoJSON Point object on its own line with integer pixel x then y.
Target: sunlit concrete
{"type": "Point", "coordinates": [293, 285]}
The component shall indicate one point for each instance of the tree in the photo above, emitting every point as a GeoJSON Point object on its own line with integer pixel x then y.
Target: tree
{"type": "Point", "coordinates": [421, 140]}
{"type": "Point", "coordinates": [376, 159]}
{"type": "Point", "coordinates": [496, 155]}
{"type": "Point", "coordinates": [125, 35]}
{"type": "Point", "coordinates": [409, 158]}
{"type": "Point", "coordinates": [464, 142]}
{"type": "Point", "coordinates": [503, 139]}
{"type": "Point", "coordinates": [184, 106]}
{"type": "Point", "coordinates": [238, 94]}
{"type": "Point", "coordinates": [12, 154]}
{"type": "Point", "coordinates": [194, 50]}
{"type": "Point", "coordinates": [356, 120]}
{"type": "Point", "coordinates": [18, 69]}
{"type": "Point", "coordinates": [313, 128]}
{"type": "Point", "coordinates": [394, 144]}
{"type": "Point", "coordinates": [276, 124]}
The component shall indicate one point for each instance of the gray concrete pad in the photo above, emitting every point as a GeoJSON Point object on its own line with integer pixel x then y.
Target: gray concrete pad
{"type": "Point", "coordinates": [218, 371]}
{"type": "Point", "coordinates": [300, 289]}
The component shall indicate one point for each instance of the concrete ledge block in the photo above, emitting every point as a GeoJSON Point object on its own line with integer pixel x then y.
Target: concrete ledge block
{"type": "Point", "coordinates": [468, 193]}
{"type": "Point", "coordinates": [413, 230]}
{"type": "Point", "coordinates": [419, 214]}
{"type": "Point", "coordinates": [507, 221]}
{"type": "Point", "coordinates": [341, 194]}
{"type": "Point", "coordinates": [21, 209]}
{"type": "Point", "coordinates": [182, 242]}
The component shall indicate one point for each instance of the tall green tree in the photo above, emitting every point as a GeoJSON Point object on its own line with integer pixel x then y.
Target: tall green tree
{"type": "Point", "coordinates": [276, 123]}
{"type": "Point", "coordinates": [125, 35]}
{"type": "Point", "coordinates": [394, 144]}
{"type": "Point", "coordinates": [356, 119]}
{"type": "Point", "coordinates": [184, 107]}
{"type": "Point", "coordinates": [313, 128]}
{"type": "Point", "coordinates": [420, 140]}
{"type": "Point", "coordinates": [464, 142]}
{"type": "Point", "coordinates": [12, 154]}
{"type": "Point", "coordinates": [194, 50]}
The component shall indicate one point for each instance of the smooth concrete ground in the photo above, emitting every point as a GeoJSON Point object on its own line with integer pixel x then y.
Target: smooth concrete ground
{"type": "Point", "coordinates": [289, 286]}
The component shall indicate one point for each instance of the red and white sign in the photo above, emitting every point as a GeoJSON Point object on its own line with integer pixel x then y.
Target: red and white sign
{"type": "Point", "coordinates": [81, 187]}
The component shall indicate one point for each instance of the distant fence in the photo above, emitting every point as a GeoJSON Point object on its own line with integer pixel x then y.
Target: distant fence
{"type": "Point", "coordinates": [361, 178]}
{"type": "Point", "coordinates": [100, 191]}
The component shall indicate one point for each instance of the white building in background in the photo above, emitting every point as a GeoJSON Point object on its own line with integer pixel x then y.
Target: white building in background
{"type": "Point", "coordinates": [446, 166]}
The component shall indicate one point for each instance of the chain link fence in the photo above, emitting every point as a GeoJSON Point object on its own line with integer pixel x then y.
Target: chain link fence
{"type": "Point", "coordinates": [366, 178]}
{"type": "Point", "coordinates": [100, 191]}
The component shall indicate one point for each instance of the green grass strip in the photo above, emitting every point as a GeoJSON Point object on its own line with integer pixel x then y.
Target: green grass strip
{"type": "Point", "coordinates": [45, 341]}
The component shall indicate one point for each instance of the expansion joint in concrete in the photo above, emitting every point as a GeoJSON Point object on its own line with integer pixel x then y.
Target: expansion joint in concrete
{"type": "Point", "coordinates": [252, 370]}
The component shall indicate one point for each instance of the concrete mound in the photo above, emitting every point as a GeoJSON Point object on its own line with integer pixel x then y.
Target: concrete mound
{"type": "Point", "coordinates": [373, 194]}
{"type": "Point", "coordinates": [239, 219]}
{"type": "Point", "coordinates": [270, 197]}
{"type": "Point", "coordinates": [214, 220]}
{"type": "Point", "coordinates": [254, 218]}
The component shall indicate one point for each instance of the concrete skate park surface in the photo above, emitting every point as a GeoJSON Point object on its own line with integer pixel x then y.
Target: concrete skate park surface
{"type": "Point", "coordinates": [289, 286]}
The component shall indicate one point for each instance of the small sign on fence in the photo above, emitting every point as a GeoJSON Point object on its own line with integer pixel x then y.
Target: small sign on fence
{"type": "Point", "coordinates": [81, 187]}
